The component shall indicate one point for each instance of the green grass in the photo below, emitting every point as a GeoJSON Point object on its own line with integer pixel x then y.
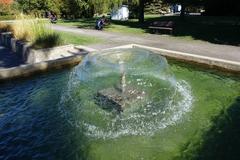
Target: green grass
{"type": "Point", "coordinates": [124, 29]}
{"type": "Point", "coordinates": [218, 30]}
{"type": "Point", "coordinates": [81, 23]}
{"type": "Point", "coordinates": [7, 17]}
{"type": "Point", "coordinates": [78, 39]}
{"type": "Point", "coordinates": [61, 38]}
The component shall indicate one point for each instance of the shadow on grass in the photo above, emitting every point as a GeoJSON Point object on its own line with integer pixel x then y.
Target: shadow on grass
{"type": "Point", "coordinates": [88, 23]}
{"type": "Point", "coordinates": [221, 142]}
{"type": "Point", "coordinates": [131, 24]}
{"type": "Point", "coordinates": [219, 30]}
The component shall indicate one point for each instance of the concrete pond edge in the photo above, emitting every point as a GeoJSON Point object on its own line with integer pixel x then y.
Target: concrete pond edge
{"type": "Point", "coordinates": [207, 62]}
{"type": "Point", "coordinates": [59, 57]}
{"type": "Point", "coordinates": [40, 60]}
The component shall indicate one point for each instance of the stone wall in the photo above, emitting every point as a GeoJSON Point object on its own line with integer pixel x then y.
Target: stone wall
{"type": "Point", "coordinates": [38, 60]}
{"type": "Point", "coordinates": [30, 55]}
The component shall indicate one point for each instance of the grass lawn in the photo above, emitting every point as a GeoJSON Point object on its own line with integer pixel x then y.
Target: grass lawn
{"type": "Point", "coordinates": [219, 30]}
{"type": "Point", "coordinates": [7, 17]}
{"type": "Point", "coordinates": [78, 39]}
{"type": "Point", "coordinates": [62, 38]}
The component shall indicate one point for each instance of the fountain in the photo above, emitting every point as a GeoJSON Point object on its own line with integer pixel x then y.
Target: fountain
{"type": "Point", "coordinates": [124, 92]}
{"type": "Point", "coordinates": [117, 97]}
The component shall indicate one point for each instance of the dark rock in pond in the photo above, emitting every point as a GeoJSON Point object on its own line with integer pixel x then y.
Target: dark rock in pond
{"type": "Point", "coordinates": [115, 99]}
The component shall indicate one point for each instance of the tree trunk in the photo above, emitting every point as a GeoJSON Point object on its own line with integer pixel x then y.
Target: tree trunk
{"type": "Point", "coordinates": [141, 11]}
{"type": "Point", "coordinates": [183, 10]}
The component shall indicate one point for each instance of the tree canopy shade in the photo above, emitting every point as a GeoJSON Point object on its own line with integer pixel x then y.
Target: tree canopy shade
{"type": "Point", "coordinates": [222, 8]}
{"type": "Point", "coordinates": [186, 3]}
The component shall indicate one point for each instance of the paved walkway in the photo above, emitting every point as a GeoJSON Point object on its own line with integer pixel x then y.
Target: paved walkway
{"type": "Point", "coordinates": [226, 52]}
{"type": "Point", "coordinates": [8, 59]}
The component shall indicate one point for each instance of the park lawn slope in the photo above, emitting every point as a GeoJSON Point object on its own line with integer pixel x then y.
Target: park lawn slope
{"type": "Point", "coordinates": [78, 39]}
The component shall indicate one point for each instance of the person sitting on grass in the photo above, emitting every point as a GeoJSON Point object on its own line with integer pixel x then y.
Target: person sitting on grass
{"type": "Point", "coordinates": [53, 18]}
{"type": "Point", "coordinates": [99, 24]}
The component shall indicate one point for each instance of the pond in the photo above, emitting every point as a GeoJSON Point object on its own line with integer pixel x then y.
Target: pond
{"type": "Point", "coordinates": [120, 104]}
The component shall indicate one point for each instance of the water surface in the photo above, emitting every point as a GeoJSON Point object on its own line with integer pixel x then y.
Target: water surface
{"type": "Point", "coordinates": [33, 125]}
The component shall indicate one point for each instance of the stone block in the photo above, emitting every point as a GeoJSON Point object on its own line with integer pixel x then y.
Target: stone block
{"type": "Point", "coordinates": [114, 99]}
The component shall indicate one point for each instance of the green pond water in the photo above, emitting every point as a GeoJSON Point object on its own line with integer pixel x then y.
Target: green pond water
{"type": "Point", "coordinates": [180, 112]}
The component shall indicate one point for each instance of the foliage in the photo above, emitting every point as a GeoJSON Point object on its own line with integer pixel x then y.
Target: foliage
{"type": "Point", "coordinates": [73, 9]}
{"type": "Point", "coordinates": [38, 8]}
{"type": "Point", "coordinates": [7, 7]}
{"type": "Point", "coordinates": [4, 9]}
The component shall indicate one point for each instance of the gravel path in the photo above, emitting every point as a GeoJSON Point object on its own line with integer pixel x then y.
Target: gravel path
{"type": "Point", "coordinates": [226, 52]}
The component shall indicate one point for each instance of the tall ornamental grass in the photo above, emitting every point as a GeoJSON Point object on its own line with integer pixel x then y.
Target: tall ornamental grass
{"type": "Point", "coordinates": [37, 32]}
{"type": "Point", "coordinates": [4, 27]}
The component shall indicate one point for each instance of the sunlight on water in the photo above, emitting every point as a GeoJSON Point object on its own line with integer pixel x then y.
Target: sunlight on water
{"type": "Point", "coordinates": [118, 105]}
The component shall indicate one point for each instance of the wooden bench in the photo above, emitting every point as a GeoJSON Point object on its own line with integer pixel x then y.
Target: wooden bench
{"type": "Point", "coordinates": [162, 25]}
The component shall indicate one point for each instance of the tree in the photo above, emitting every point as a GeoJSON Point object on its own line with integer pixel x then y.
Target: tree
{"type": "Point", "coordinates": [6, 7]}
{"type": "Point", "coordinates": [39, 7]}
{"type": "Point", "coordinates": [79, 8]}
{"type": "Point", "coordinates": [141, 11]}
{"type": "Point", "coordinates": [141, 6]}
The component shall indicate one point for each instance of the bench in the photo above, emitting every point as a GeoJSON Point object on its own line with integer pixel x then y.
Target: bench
{"type": "Point", "coordinates": [162, 25]}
